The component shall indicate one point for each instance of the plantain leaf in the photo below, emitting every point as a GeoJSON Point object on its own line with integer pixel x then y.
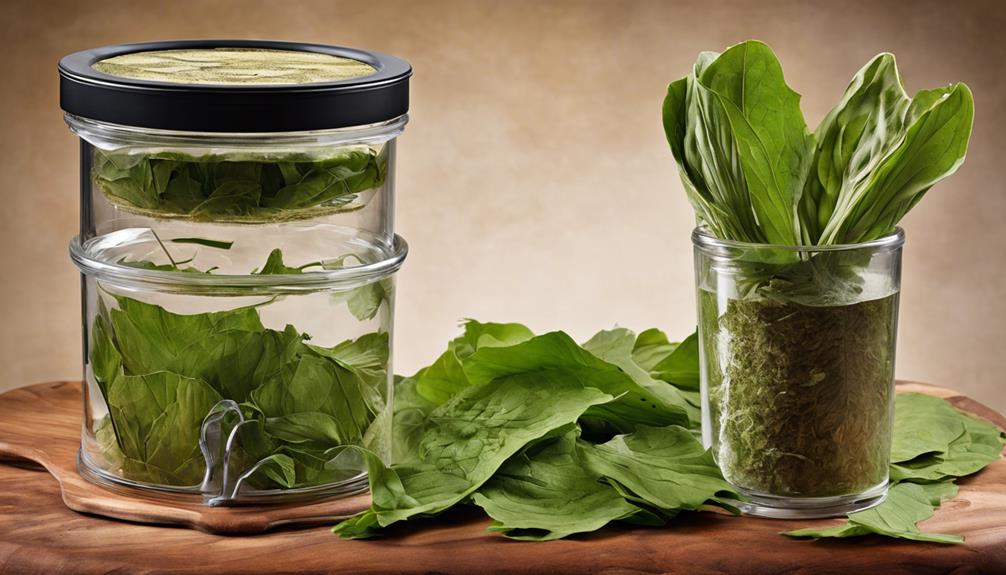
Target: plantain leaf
{"type": "Point", "coordinates": [754, 174]}
{"type": "Point", "coordinates": [898, 516]}
{"type": "Point", "coordinates": [556, 356]}
{"type": "Point", "coordinates": [546, 492]}
{"type": "Point", "coordinates": [489, 443]}
{"type": "Point", "coordinates": [160, 374]}
{"type": "Point", "coordinates": [852, 141]}
{"type": "Point", "coordinates": [933, 147]}
{"type": "Point", "coordinates": [746, 86]}
{"type": "Point", "coordinates": [468, 439]}
{"type": "Point", "coordinates": [617, 346]}
{"type": "Point", "coordinates": [438, 382]}
{"type": "Point", "coordinates": [665, 467]}
{"type": "Point", "coordinates": [235, 186]}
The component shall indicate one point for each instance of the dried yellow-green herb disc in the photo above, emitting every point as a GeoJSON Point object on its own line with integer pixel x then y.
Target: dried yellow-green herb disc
{"type": "Point", "coordinates": [234, 66]}
{"type": "Point", "coordinates": [234, 86]}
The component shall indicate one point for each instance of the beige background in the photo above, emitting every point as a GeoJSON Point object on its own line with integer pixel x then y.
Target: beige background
{"type": "Point", "coordinates": [535, 184]}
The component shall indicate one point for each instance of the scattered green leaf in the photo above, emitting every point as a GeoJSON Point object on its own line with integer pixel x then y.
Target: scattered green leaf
{"type": "Point", "coordinates": [508, 434]}
{"type": "Point", "coordinates": [468, 439]}
{"type": "Point", "coordinates": [898, 516]}
{"type": "Point", "coordinates": [663, 467]}
{"type": "Point", "coordinates": [546, 492]}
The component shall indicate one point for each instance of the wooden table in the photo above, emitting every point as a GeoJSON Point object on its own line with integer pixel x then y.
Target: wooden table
{"type": "Point", "coordinates": [38, 534]}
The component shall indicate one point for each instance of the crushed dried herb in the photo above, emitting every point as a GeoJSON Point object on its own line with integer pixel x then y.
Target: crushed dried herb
{"type": "Point", "coordinates": [799, 415]}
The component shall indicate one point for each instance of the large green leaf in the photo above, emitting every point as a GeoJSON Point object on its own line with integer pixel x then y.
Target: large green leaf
{"type": "Point", "coordinates": [236, 362]}
{"type": "Point", "coordinates": [681, 366]}
{"type": "Point", "coordinates": [479, 334]}
{"type": "Point", "coordinates": [315, 385]}
{"type": "Point", "coordinates": [556, 356]}
{"type": "Point", "coordinates": [665, 467]}
{"type": "Point", "coordinates": [979, 444]}
{"type": "Point", "coordinates": [236, 186]}
{"type": "Point", "coordinates": [367, 355]}
{"type": "Point", "coordinates": [151, 338]}
{"type": "Point", "coordinates": [172, 442]}
{"type": "Point", "coordinates": [898, 516]}
{"type": "Point", "coordinates": [651, 347]}
{"type": "Point", "coordinates": [438, 382]}
{"type": "Point", "coordinates": [104, 359]}
{"type": "Point", "coordinates": [878, 151]}
{"type": "Point", "coordinates": [852, 140]}
{"type": "Point", "coordinates": [411, 411]}
{"type": "Point", "coordinates": [365, 301]}
{"type": "Point", "coordinates": [617, 346]}
{"type": "Point", "coordinates": [157, 418]}
{"type": "Point", "coordinates": [715, 178]}
{"type": "Point", "coordinates": [443, 379]}
{"type": "Point", "coordinates": [851, 137]}
{"type": "Point", "coordinates": [925, 425]}
{"type": "Point", "coordinates": [302, 400]}
{"type": "Point", "coordinates": [468, 439]}
{"type": "Point", "coordinates": [546, 492]}
{"type": "Point", "coordinates": [674, 363]}
{"type": "Point", "coordinates": [745, 85]}
{"type": "Point", "coordinates": [677, 105]}
{"type": "Point", "coordinates": [933, 147]}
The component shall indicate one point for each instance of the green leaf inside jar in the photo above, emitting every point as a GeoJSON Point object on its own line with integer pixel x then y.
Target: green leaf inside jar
{"type": "Point", "coordinates": [242, 188]}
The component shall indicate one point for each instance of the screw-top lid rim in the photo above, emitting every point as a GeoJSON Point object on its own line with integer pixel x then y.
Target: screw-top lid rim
{"type": "Point", "coordinates": [201, 107]}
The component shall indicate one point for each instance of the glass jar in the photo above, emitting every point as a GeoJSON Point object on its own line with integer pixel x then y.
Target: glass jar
{"type": "Point", "coordinates": [264, 186]}
{"type": "Point", "coordinates": [242, 388]}
{"type": "Point", "coordinates": [237, 251]}
{"type": "Point", "coordinates": [797, 348]}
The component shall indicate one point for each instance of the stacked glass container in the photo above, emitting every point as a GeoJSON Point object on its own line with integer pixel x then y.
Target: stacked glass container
{"type": "Point", "coordinates": [238, 253]}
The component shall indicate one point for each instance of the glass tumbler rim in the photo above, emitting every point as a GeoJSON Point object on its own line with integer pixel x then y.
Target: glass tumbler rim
{"type": "Point", "coordinates": [702, 238]}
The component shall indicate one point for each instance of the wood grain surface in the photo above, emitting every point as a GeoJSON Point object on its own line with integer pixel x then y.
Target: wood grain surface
{"type": "Point", "coordinates": [38, 534]}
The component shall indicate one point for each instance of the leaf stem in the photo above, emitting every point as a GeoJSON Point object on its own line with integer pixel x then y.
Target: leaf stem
{"type": "Point", "coordinates": [165, 248]}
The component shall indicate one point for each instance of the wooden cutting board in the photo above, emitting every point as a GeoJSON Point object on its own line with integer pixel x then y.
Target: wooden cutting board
{"type": "Point", "coordinates": [41, 423]}
{"type": "Point", "coordinates": [39, 534]}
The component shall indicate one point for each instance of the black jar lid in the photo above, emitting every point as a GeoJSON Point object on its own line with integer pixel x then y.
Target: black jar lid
{"type": "Point", "coordinates": [348, 88]}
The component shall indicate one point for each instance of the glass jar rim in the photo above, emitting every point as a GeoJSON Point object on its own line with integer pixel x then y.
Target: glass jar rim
{"type": "Point", "coordinates": [97, 130]}
{"type": "Point", "coordinates": [332, 278]}
{"type": "Point", "coordinates": [703, 238]}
